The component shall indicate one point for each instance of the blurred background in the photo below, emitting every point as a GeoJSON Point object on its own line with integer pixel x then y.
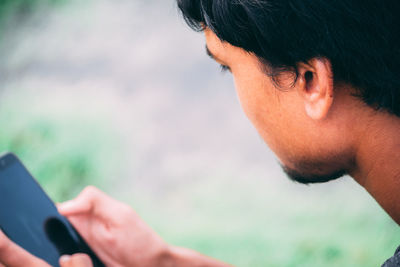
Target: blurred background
{"type": "Point", "coordinates": [120, 94]}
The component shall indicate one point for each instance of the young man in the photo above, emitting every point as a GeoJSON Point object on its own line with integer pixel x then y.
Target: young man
{"type": "Point", "coordinates": [319, 79]}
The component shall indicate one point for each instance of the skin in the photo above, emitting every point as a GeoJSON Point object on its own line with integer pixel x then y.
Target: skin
{"type": "Point", "coordinates": [12, 255]}
{"type": "Point", "coordinates": [318, 129]}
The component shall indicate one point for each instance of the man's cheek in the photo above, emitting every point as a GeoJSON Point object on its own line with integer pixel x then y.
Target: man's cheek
{"type": "Point", "coordinates": [245, 99]}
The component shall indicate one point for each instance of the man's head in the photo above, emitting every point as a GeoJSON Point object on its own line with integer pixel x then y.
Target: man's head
{"type": "Point", "coordinates": [309, 74]}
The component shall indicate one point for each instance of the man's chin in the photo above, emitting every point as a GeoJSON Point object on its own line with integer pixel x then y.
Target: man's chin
{"type": "Point", "coordinates": [312, 178]}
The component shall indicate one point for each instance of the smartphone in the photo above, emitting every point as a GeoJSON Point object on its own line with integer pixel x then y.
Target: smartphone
{"type": "Point", "coordinates": [30, 219]}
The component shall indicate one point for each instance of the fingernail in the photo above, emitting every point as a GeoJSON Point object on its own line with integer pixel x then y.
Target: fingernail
{"type": "Point", "coordinates": [65, 258]}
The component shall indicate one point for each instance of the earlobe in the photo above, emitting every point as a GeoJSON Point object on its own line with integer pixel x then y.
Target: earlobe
{"type": "Point", "coordinates": [316, 87]}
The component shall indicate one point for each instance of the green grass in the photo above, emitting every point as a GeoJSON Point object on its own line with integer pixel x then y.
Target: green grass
{"type": "Point", "coordinates": [64, 153]}
{"type": "Point", "coordinates": [247, 225]}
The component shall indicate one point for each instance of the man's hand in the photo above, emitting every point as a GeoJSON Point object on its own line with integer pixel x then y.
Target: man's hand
{"type": "Point", "coordinates": [11, 255]}
{"type": "Point", "coordinates": [114, 231]}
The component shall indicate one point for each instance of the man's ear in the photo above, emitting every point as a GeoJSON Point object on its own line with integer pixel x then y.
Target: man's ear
{"type": "Point", "coordinates": [316, 87]}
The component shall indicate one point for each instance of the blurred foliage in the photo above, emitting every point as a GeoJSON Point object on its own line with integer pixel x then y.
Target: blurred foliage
{"type": "Point", "coordinates": [249, 226]}
{"type": "Point", "coordinates": [21, 8]}
{"type": "Point", "coordinates": [63, 153]}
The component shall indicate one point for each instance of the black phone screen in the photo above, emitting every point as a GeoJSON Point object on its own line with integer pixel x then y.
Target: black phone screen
{"type": "Point", "coordinates": [30, 218]}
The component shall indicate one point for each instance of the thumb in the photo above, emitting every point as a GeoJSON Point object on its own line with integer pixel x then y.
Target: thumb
{"type": "Point", "coordinates": [76, 260]}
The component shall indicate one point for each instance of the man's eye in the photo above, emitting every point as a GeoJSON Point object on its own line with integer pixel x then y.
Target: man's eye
{"type": "Point", "coordinates": [225, 68]}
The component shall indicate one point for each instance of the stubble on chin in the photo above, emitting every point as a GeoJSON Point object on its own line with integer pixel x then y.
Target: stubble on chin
{"type": "Point", "coordinates": [317, 171]}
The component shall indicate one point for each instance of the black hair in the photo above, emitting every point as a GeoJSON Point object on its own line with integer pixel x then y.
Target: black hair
{"type": "Point", "coordinates": [360, 38]}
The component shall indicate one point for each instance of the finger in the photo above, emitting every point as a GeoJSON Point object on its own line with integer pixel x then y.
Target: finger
{"type": "Point", "coordinates": [80, 205]}
{"type": "Point", "coordinates": [74, 207]}
{"type": "Point", "coordinates": [91, 201]}
{"type": "Point", "coordinates": [12, 255]}
{"type": "Point", "coordinates": [76, 260]}
{"type": "Point", "coordinates": [83, 203]}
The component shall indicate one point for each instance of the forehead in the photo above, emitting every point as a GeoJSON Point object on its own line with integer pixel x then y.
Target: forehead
{"type": "Point", "coordinates": [219, 48]}
{"type": "Point", "coordinates": [215, 45]}
{"type": "Point", "coordinates": [227, 52]}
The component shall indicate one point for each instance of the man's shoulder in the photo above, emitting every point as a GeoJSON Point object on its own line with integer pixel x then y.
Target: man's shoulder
{"type": "Point", "coordinates": [393, 261]}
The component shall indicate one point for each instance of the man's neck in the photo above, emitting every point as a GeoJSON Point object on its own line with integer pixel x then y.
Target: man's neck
{"type": "Point", "coordinates": [378, 162]}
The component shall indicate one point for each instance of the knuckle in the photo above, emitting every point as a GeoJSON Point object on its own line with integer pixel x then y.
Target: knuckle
{"type": "Point", "coordinates": [126, 212]}
{"type": "Point", "coordinates": [110, 240]}
{"type": "Point", "coordinates": [91, 192]}
{"type": "Point", "coordinates": [125, 208]}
